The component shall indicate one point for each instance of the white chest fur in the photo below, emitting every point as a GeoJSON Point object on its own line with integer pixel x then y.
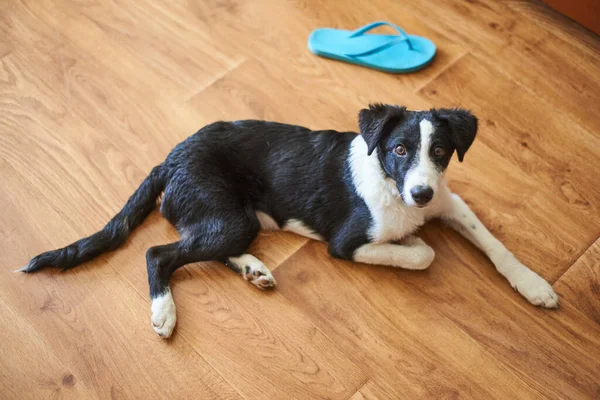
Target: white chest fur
{"type": "Point", "coordinates": [392, 219]}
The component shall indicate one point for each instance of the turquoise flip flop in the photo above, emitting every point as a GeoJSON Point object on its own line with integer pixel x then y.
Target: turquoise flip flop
{"type": "Point", "coordinates": [389, 53]}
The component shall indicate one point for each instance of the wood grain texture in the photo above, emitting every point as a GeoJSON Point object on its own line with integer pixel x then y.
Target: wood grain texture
{"type": "Point", "coordinates": [581, 283]}
{"type": "Point", "coordinates": [562, 26]}
{"type": "Point", "coordinates": [23, 353]}
{"type": "Point", "coordinates": [94, 93]}
{"type": "Point", "coordinates": [391, 331]}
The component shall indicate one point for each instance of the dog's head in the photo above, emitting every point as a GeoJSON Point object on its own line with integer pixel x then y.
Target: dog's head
{"type": "Point", "coordinates": [415, 147]}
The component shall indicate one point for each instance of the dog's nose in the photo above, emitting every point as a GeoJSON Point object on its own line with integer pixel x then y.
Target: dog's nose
{"type": "Point", "coordinates": [421, 194]}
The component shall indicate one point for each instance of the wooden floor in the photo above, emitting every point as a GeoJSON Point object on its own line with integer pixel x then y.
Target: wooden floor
{"type": "Point", "coordinates": [95, 93]}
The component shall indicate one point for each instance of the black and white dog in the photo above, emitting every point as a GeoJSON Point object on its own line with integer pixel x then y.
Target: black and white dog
{"type": "Point", "coordinates": [363, 194]}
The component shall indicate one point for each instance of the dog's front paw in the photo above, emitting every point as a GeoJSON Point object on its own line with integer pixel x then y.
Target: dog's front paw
{"type": "Point", "coordinates": [534, 288]}
{"type": "Point", "coordinates": [163, 315]}
{"type": "Point", "coordinates": [421, 255]}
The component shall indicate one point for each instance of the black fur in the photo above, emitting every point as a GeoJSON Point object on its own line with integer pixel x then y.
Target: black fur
{"type": "Point", "coordinates": [462, 125]}
{"type": "Point", "coordinates": [377, 121]}
{"type": "Point", "coordinates": [216, 180]}
{"type": "Point", "coordinates": [407, 134]}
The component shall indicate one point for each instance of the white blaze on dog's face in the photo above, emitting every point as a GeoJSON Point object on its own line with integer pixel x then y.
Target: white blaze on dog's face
{"type": "Point", "coordinates": [415, 147]}
{"type": "Point", "coordinates": [423, 177]}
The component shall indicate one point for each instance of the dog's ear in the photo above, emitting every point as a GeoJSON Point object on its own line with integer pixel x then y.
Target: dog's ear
{"type": "Point", "coordinates": [463, 128]}
{"type": "Point", "coordinates": [378, 120]}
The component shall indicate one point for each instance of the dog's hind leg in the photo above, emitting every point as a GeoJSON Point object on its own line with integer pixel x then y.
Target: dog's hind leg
{"type": "Point", "coordinates": [252, 270]}
{"type": "Point", "coordinates": [215, 237]}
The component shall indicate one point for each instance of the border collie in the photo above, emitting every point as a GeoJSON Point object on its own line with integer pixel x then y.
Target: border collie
{"type": "Point", "coordinates": [364, 194]}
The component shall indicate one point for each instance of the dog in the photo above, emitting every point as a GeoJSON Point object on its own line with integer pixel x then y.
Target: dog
{"type": "Point", "coordinates": [364, 194]}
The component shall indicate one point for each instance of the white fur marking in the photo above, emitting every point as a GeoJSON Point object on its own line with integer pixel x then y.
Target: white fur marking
{"type": "Point", "coordinates": [253, 270]}
{"type": "Point", "coordinates": [414, 254]}
{"type": "Point", "coordinates": [163, 314]}
{"type": "Point", "coordinates": [424, 172]}
{"type": "Point", "coordinates": [298, 227]}
{"type": "Point", "coordinates": [392, 219]}
{"type": "Point", "coordinates": [267, 223]}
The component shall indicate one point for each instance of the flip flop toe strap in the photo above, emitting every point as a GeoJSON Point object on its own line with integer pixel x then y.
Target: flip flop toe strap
{"type": "Point", "coordinates": [379, 48]}
{"type": "Point", "coordinates": [402, 37]}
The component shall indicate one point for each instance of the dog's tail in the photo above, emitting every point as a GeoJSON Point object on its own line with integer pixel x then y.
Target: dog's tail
{"type": "Point", "coordinates": [113, 235]}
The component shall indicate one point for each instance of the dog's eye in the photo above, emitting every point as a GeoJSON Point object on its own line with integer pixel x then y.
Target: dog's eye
{"type": "Point", "coordinates": [438, 152]}
{"type": "Point", "coordinates": [400, 150]}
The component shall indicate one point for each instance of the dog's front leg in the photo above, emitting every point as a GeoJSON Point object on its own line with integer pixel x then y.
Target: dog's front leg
{"type": "Point", "coordinates": [413, 253]}
{"type": "Point", "coordinates": [533, 287]}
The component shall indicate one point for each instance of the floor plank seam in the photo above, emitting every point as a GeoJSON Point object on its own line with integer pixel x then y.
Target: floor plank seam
{"type": "Point", "coordinates": [555, 281]}
{"type": "Point", "coordinates": [440, 72]}
{"type": "Point", "coordinates": [218, 77]}
{"type": "Point", "coordinates": [360, 388]}
{"type": "Point", "coordinates": [577, 311]}
{"type": "Point", "coordinates": [292, 254]}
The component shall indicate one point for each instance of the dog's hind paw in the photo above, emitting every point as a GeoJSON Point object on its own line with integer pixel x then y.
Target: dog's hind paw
{"type": "Point", "coordinates": [164, 316]}
{"type": "Point", "coordinates": [254, 271]}
{"type": "Point", "coordinates": [260, 276]}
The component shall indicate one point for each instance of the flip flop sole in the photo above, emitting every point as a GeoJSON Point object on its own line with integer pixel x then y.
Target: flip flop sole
{"type": "Point", "coordinates": [335, 44]}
